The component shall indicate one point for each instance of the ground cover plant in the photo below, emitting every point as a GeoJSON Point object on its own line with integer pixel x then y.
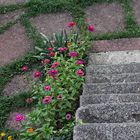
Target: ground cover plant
{"type": "Point", "coordinates": [56, 87]}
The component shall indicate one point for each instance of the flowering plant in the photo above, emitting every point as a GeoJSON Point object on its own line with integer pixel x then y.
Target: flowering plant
{"type": "Point", "coordinates": [57, 91]}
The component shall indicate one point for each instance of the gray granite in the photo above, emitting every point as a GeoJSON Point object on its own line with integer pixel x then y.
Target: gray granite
{"type": "Point", "coordinates": [111, 88]}
{"type": "Point", "coordinates": [111, 78]}
{"type": "Point", "coordinates": [123, 131]}
{"type": "Point", "coordinates": [108, 98]}
{"type": "Point", "coordinates": [109, 113]}
{"type": "Point", "coordinates": [113, 69]}
{"type": "Point", "coordinates": [115, 57]}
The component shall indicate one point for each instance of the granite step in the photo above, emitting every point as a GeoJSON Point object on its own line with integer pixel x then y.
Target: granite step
{"type": "Point", "coordinates": [111, 88]}
{"type": "Point", "coordinates": [104, 131]}
{"type": "Point", "coordinates": [113, 69]}
{"type": "Point", "coordinates": [103, 78]}
{"type": "Point", "coordinates": [108, 98]}
{"type": "Point", "coordinates": [109, 113]}
{"type": "Point", "coordinates": [115, 57]}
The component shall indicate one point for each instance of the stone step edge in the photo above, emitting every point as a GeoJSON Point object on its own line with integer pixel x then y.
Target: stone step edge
{"type": "Point", "coordinates": [108, 95]}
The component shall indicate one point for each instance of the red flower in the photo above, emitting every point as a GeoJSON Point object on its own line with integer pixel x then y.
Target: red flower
{"type": "Point", "coordinates": [24, 68]}
{"type": "Point", "coordinates": [71, 24]}
{"type": "Point", "coordinates": [79, 62]}
{"type": "Point", "coordinates": [37, 74]}
{"type": "Point", "coordinates": [53, 72]}
{"type": "Point", "coordinates": [91, 28]}
{"type": "Point", "coordinates": [47, 88]}
{"type": "Point", "coordinates": [45, 61]}
{"type": "Point", "coordinates": [55, 64]}
{"type": "Point", "coordinates": [80, 72]}
{"type": "Point", "coordinates": [73, 54]}
{"type": "Point", "coordinates": [52, 54]}
{"type": "Point", "coordinates": [50, 49]}
{"type": "Point", "coordinates": [46, 99]}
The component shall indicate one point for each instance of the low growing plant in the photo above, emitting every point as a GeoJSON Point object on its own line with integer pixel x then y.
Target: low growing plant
{"type": "Point", "coordinates": [56, 88]}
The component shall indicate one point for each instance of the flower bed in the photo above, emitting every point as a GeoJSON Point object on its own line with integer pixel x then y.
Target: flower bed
{"type": "Point", "coordinates": [56, 87]}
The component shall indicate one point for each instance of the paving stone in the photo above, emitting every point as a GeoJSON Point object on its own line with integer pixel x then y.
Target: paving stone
{"type": "Point", "coordinates": [104, 131]}
{"type": "Point", "coordinates": [136, 8]}
{"type": "Point", "coordinates": [113, 69]}
{"type": "Point", "coordinates": [106, 17]}
{"type": "Point", "coordinates": [111, 58]}
{"type": "Point", "coordinates": [13, 44]}
{"type": "Point", "coordinates": [116, 45]}
{"type": "Point", "coordinates": [18, 84]}
{"type": "Point", "coordinates": [9, 2]}
{"type": "Point", "coordinates": [4, 18]}
{"type": "Point", "coordinates": [111, 88]}
{"type": "Point", "coordinates": [109, 113]}
{"type": "Point", "coordinates": [108, 98]}
{"type": "Point", "coordinates": [109, 78]}
{"type": "Point", "coordinates": [11, 123]}
{"type": "Point", "coordinates": [51, 23]}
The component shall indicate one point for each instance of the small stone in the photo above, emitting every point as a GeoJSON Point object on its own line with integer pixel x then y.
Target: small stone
{"type": "Point", "coordinates": [51, 23]}
{"type": "Point", "coordinates": [13, 44]}
{"type": "Point", "coordinates": [106, 17]}
{"type": "Point", "coordinates": [11, 122]}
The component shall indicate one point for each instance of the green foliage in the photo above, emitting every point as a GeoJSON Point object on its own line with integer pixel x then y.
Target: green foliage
{"type": "Point", "coordinates": [49, 119]}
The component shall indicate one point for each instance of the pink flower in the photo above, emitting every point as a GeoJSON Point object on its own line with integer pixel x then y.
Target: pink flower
{"type": "Point", "coordinates": [73, 54]}
{"type": "Point", "coordinates": [62, 49]}
{"type": "Point", "coordinates": [47, 88]}
{"type": "Point", "coordinates": [20, 117]}
{"type": "Point", "coordinates": [55, 64]}
{"type": "Point", "coordinates": [59, 97]}
{"type": "Point", "coordinates": [24, 68]}
{"type": "Point", "coordinates": [68, 116]}
{"type": "Point", "coordinates": [45, 61]}
{"type": "Point", "coordinates": [91, 28]}
{"type": "Point", "coordinates": [80, 72]}
{"type": "Point", "coordinates": [79, 62]}
{"type": "Point", "coordinates": [50, 49]}
{"type": "Point", "coordinates": [46, 99]}
{"type": "Point", "coordinates": [53, 72]}
{"type": "Point", "coordinates": [52, 54]}
{"type": "Point", "coordinates": [37, 74]}
{"type": "Point", "coordinates": [71, 24]}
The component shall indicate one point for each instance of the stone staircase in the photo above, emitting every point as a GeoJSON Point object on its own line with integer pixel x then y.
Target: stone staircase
{"type": "Point", "coordinates": [110, 103]}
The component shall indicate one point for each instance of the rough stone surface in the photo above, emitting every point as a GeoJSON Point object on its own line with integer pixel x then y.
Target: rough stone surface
{"type": "Point", "coordinates": [18, 84]}
{"type": "Point", "coordinates": [123, 131]}
{"type": "Point", "coordinates": [111, 88]}
{"type": "Point", "coordinates": [8, 2]}
{"type": "Point", "coordinates": [116, 45]}
{"type": "Point", "coordinates": [103, 78]}
{"type": "Point", "coordinates": [108, 98]}
{"type": "Point", "coordinates": [136, 8]}
{"type": "Point", "coordinates": [110, 58]}
{"type": "Point", "coordinates": [13, 44]}
{"type": "Point", "coordinates": [11, 123]}
{"type": "Point", "coordinates": [109, 113]}
{"type": "Point", "coordinates": [51, 23]}
{"type": "Point", "coordinates": [113, 69]}
{"type": "Point", "coordinates": [106, 17]}
{"type": "Point", "coordinates": [4, 18]}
